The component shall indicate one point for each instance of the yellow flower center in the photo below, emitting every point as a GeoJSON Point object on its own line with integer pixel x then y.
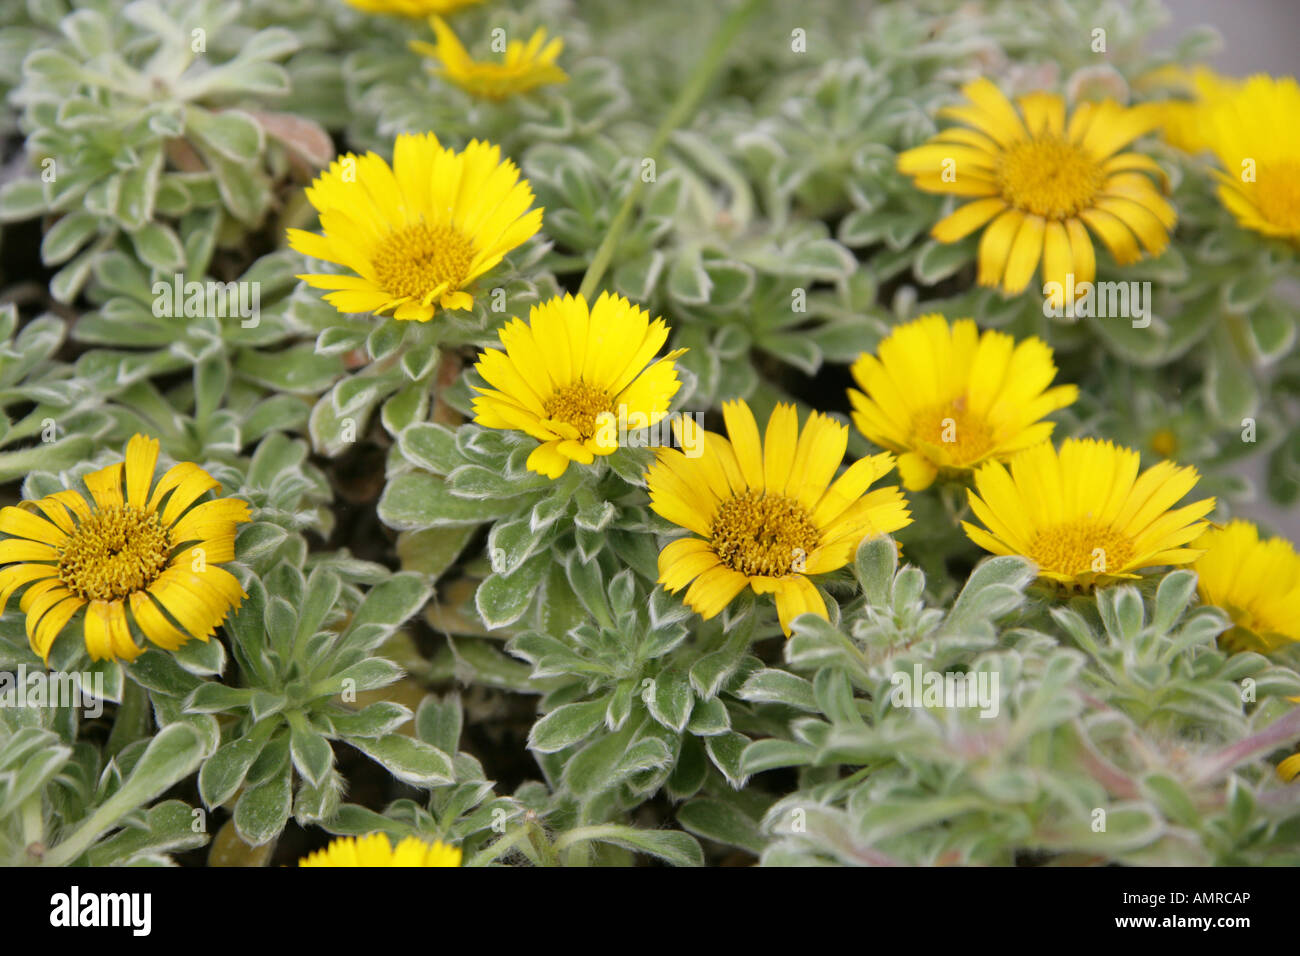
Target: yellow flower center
{"type": "Point", "coordinates": [964, 436]}
{"type": "Point", "coordinates": [415, 260]}
{"type": "Point", "coordinates": [760, 534]}
{"type": "Point", "coordinates": [1081, 547]}
{"type": "Point", "coordinates": [1049, 177]}
{"type": "Point", "coordinates": [579, 405]}
{"type": "Point", "coordinates": [113, 553]}
{"type": "Point", "coordinates": [1278, 186]}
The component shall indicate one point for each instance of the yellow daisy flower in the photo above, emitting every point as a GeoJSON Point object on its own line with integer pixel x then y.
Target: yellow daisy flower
{"type": "Point", "coordinates": [413, 8]}
{"type": "Point", "coordinates": [1256, 581]}
{"type": "Point", "coordinates": [1181, 120]}
{"type": "Point", "coordinates": [1084, 515]}
{"type": "Point", "coordinates": [1040, 183]}
{"type": "Point", "coordinates": [948, 398]}
{"type": "Point", "coordinates": [569, 376]}
{"type": "Point", "coordinates": [767, 512]}
{"type": "Point", "coordinates": [1253, 132]}
{"type": "Point", "coordinates": [417, 234]}
{"type": "Point", "coordinates": [524, 67]}
{"type": "Point", "coordinates": [125, 548]}
{"type": "Point", "coordinates": [374, 849]}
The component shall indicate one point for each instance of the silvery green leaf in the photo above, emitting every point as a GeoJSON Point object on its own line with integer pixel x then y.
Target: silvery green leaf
{"type": "Point", "coordinates": [159, 248]}
{"type": "Point", "coordinates": [211, 697]}
{"type": "Point", "coordinates": [21, 199]}
{"type": "Point", "coordinates": [1272, 330]}
{"type": "Point", "coordinates": [169, 827]}
{"type": "Point", "coordinates": [688, 282]}
{"type": "Point", "coordinates": [157, 670]}
{"type": "Point", "coordinates": [312, 755]}
{"type": "Point", "coordinates": [66, 236]}
{"type": "Point", "coordinates": [670, 699]}
{"type": "Point", "coordinates": [1172, 597]}
{"type": "Point", "coordinates": [385, 607]}
{"type": "Point", "coordinates": [263, 809]}
{"type": "Point", "coordinates": [369, 674]}
{"type": "Point", "coordinates": [722, 822]}
{"type": "Point", "coordinates": [22, 779]}
{"type": "Point", "coordinates": [671, 846]}
{"type": "Point", "coordinates": [725, 751]}
{"type": "Point", "coordinates": [709, 717]}
{"type": "Point", "coordinates": [875, 565]}
{"type": "Point", "coordinates": [317, 804]}
{"type": "Point", "coordinates": [408, 759]}
{"type": "Point", "coordinates": [223, 773]}
{"type": "Point", "coordinates": [511, 542]}
{"type": "Point", "coordinates": [375, 720]}
{"type": "Point", "coordinates": [501, 600]}
{"type": "Point", "coordinates": [772, 754]}
{"type": "Point", "coordinates": [566, 725]}
{"type": "Point", "coordinates": [339, 339]}
{"type": "Point", "coordinates": [937, 261]}
{"type": "Point", "coordinates": [778, 687]}
{"type": "Point", "coordinates": [438, 722]}
{"type": "Point", "coordinates": [416, 500]}
{"type": "Point", "coordinates": [419, 361]}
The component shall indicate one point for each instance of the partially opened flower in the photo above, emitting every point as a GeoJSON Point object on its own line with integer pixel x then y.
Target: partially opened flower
{"type": "Point", "coordinates": [1254, 130]}
{"type": "Point", "coordinates": [1257, 581]}
{"type": "Point", "coordinates": [419, 233]}
{"type": "Point", "coordinates": [1084, 514]}
{"type": "Point", "coordinates": [1040, 183]}
{"type": "Point", "coordinates": [413, 8]}
{"type": "Point", "coordinates": [571, 377]}
{"type": "Point", "coordinates": [375, 849]}
{"type": "Point", "coordinates": [524, 67]}
{"type": "Point", "coordinates": [767, 513]}
{"type": "Point", "coordinates": [947, 398]}
{"type": "Point", "coordinates": [156, 553]}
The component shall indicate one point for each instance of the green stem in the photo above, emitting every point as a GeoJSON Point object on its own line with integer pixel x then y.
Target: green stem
{"type": "Point", "coordinates": [1239, 336]}
{"type": "Point", "coordinates": [91, 828]}
{"type": "Point", "coordinates": [576, 850]}
{"type": "Point", "coordinates": [541, 843]}
{"type": "Point", "coordinates": [33, 820]}
{"type": "Point", "coordinates": [500, 848]}
{"type": "Point", "coordinates": [687, 100]}
{"type": "Point", "coordinates": [132, 720]}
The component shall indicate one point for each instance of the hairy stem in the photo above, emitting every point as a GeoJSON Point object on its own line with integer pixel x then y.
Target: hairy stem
{"type": "Point", "coordinates": [687, 100]}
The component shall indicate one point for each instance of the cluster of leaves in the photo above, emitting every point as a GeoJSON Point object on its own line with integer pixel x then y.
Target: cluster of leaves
{"type": "Point", "coordinates": [494, 625]}
{"type": "Point", "coordinates": [1120, 731]}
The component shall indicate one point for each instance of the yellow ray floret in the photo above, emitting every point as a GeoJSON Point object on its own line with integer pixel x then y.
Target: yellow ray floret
{"type": "Point", "coordinates": [1084, 515]}
{"type": "Point", "coordinates": [947, 398]}
{"type": "Point", "coordinates": [1256, 581]}
{"type": "Point", "coordinates": [1040, 182]}
{"type": "Point", "coordinates": [1289, 768]}
{"type": "Point", "coordinates": [417, 234]}
{"type": "Point", "coordinates": [1182, 120]}
{"type": "Point", "coordinates": [413, 8]}
{"type": "Point", "coordinates": [156, 552]}
{"type": "Point", "coordinates": [766, 513]}
{"type": "Point", "coordinates": [524, 67]}
{"type": "Point", "coordinates": [570, 375]}
{"type": "Point", "coordinates": [374, 849]}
